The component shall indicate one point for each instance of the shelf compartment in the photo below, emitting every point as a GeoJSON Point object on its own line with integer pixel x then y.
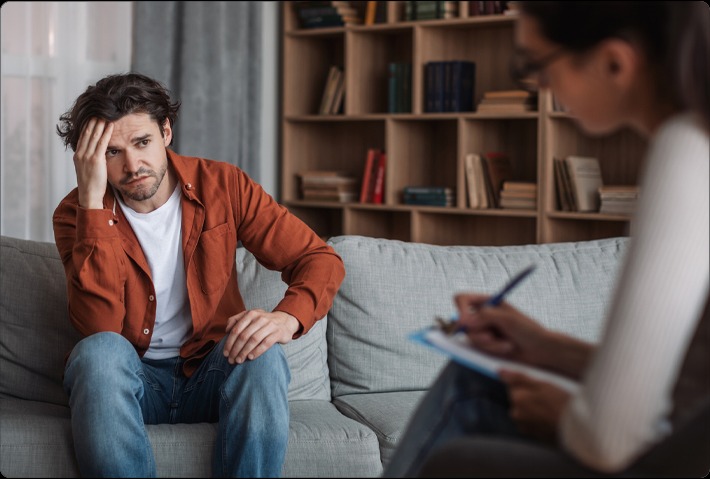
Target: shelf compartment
{"type": "Point", "coordinates": [620, 154]}
{"type": "Point", "coordinates": [583, 227]}
{"type": "Point", "coordinates": [325, 220]}
{"type": "Point", "coordinates": [318, 145]}
{"type": "Point", "coordinates": [517, 137]}
{"type": "Point", "coordinates": [421, 152]}
{"type": "Point", "coordinates": [462, 228]}
{"type": "Point", "coordinates": [369, 54]}
{"type": "Point", "coordinates": [488, 44]}
{"type": "Point", "coordinates": [378, 223]}
{"type": "Point", "coordinates": [309, 58]}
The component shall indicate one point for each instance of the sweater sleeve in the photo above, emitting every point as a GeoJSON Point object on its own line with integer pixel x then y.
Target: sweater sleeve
{"type": "Point", "coordinates": [625, 398]}
{"type": "Point", "coordinates": [282, 242]}
{"type": "Point", "coordinates": [94, 264]}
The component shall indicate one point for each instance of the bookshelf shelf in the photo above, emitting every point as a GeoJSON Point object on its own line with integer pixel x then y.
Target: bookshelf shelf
{"type": "Point", "coordinates": [425, 148]}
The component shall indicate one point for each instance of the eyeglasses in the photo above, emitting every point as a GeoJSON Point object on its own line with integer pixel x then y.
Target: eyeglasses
{"type": "Point", "coordinates": [529, 74]}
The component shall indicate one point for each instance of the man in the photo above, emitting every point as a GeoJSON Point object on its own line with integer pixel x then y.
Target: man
{"type": "Point", "coordinates": [148, 240]}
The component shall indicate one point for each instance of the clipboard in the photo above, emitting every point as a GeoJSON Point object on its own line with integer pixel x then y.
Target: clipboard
{"type": "Point", "coordinates": [456, 347]}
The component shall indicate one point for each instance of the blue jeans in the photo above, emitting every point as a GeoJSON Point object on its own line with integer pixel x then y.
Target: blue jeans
{"type": "Point", "coordinates": [461, 402]}
{"type": "Point", "coordinates": [113, 394]}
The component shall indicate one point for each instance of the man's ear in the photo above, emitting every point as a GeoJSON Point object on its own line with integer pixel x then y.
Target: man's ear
{"type": "Point", "coordinates": [167, 132]}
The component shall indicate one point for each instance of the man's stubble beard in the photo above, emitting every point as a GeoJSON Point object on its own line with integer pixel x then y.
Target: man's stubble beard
{"type": "Point", "coordinates": [143, 194]}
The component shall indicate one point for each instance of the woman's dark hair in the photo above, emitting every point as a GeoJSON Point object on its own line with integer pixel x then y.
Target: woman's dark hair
{"type": "Point", "coordinates": [675, 36]}
{"type": "Point", "coordinates": [113, 97]}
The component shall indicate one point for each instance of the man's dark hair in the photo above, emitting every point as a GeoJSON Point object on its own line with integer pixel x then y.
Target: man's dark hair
{"type": "Point", "coordinates": [114, 97]}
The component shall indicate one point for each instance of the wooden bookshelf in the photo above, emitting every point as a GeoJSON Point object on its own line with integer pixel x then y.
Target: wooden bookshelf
{"type": "Point", "coordinates": [429, 148]}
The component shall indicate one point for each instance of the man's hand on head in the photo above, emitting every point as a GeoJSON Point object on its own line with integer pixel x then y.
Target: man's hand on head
{"type": "Point", "coordinates": [90, 162]}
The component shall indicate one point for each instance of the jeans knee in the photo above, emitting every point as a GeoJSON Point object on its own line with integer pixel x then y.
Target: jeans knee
{"type": "Point", "coordinates": [101, 354]}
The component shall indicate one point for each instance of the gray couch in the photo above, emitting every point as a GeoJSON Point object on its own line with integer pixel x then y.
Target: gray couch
{"type": "Point", "coordinates": [356, 378]}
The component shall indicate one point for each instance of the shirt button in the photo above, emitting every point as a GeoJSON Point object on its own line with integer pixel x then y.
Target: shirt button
{"type": "Point", "coordinates": [151, 297]}
{"type": "Point", "coordinates": [188, 186]}
{"type": "Point", "coordinates": [146, 331]}
{"type": "Point", "coordinates": [110, 222]}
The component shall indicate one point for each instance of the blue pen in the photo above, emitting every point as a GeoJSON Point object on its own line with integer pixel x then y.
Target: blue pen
{"type": "Point", "coordinates": [498, 298]}
{"type": "Point", "coordinates": [492, 301]}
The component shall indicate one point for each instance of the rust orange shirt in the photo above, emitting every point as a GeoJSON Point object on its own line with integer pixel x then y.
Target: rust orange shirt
{"type": "Point", "coordinates": [109, 281]}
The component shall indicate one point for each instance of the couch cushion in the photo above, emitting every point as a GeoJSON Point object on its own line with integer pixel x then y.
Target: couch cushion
{"type": "Point", "coordinates": [392, 288]}
{"type": "Point", "coordinates": [387, 414]}
{"type": "Point", "coordinates": [37, 334]}
{"type": "Point", "coordinates": [36, 438]}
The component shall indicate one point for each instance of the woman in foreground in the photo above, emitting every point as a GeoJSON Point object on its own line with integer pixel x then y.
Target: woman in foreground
{"type": "Point", "coordinates": [611, 64]}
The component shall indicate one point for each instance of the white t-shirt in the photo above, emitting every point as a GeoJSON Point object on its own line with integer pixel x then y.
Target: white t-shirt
{"type": "Point", "coordinates": [160, 236]}
{"type": "Point", "coordinates": [626, 393]}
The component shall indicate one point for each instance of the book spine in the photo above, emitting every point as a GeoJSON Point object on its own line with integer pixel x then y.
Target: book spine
{"type": "Point", "coordinates": [426, 190]}
{"type": "Point", "coordinates": [392, 88]}
{"type": "Point", "coordinates": [379, 189]}
{"type": "Point", "coordinates": [366, 176]}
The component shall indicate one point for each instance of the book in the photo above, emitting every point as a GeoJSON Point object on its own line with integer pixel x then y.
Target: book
{"type": "Point", "coordinates": [458, 348]}
{"type": "Point", "coordinates": [460, 88]}
{"type": "Point", "coordinates": [428, 195]}
{"type": "Point", "coordinates": [518, 203]}
{"type": "Point", "coordinates": [326, 14]}
{"type": "Point", "coordinates": [369, 175]}
{"type": "Point", "coordinates": [521, 186]}
{"type": "Point", "coordinates": [329, 195]}
{"type": "Point", "coordinates": [470, 175]}
{"type": "Point", "coordinates": [428, 189]}
{"type": "Point", "coordinates": [331, 84]}
{"type": "Point", "coordinates": [481, 182]}
{"type": "Point", "coordinates": [378, 192]}
{"type": "Point", "coordinates": [563, 186]}
{"type": "Point", "coordinates": [618, 199]}
{"type": "Point", "coordinates": [337, 104]}
{"type": "Point", "coordinates": [585, 179]}
{"type": "Point", "coordinates": [498, 167]}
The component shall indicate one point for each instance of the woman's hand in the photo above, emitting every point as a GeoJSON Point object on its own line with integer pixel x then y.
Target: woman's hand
{"type": "Point", "coordinates": [502, 330]}
{"type": "Point", "coordinates": [535, 406]}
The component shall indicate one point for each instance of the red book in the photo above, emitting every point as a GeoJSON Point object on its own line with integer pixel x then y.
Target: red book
{"type": "Point", "coordinates": [379, 192]}
{"type": "Point", "coordinates": [367, 178]}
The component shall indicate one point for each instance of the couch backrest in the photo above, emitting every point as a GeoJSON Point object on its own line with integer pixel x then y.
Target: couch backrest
{"type": "Point", "coordinates": [35, 332]}
{"type": "Point", "coordinates": [393, 288]}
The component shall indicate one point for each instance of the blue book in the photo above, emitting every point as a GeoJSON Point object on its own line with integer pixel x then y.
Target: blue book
{"type": "Point", "coordinates": [463, 86]}
{"type": "Point", "coordinates": [393, 87]}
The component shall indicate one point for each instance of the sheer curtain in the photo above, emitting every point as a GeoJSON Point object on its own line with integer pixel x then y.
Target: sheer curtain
{"type": "Point", "coordinates": [51, 52]}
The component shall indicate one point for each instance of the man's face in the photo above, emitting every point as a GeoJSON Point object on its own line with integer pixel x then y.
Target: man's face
{"type": "Point", "coordinates": [136, 160]}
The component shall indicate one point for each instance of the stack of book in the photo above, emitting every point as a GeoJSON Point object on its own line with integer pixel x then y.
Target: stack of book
{"type": "Point", "coordinates": [618, 199]}
{"type": "Point", "coordinates": [333, 92]}
{"type": "Point", "coordinates": [428, 195]}
{"type": "Point", "coordinates": [519, 194]}
{"type": "Point", "coordinates": [399, 88]}
{"type": "Point", "coordinates": [321, 185]}
{"type": "Point", "coordinates": [507, 101]}
{"type": "Point", "coordinates": [430, 10]}
{"type": "Point", "coordinates": [449, 86]}
{"type": "Point", "coordinates": [485, 174]}
{"type": "Point", "coordinates": [577, 183]}
{"type": "Point", "coordinates": [326, 14]}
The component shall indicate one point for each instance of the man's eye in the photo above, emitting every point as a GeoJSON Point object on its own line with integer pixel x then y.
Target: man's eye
{"type": "Point", "coordinates": [145, 142]}
{"type": "Point", "coordinates": [111, 153]}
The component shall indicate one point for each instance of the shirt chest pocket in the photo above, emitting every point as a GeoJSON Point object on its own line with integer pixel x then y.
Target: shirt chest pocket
{"type": "Point", "coordinates": [214, 258]}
